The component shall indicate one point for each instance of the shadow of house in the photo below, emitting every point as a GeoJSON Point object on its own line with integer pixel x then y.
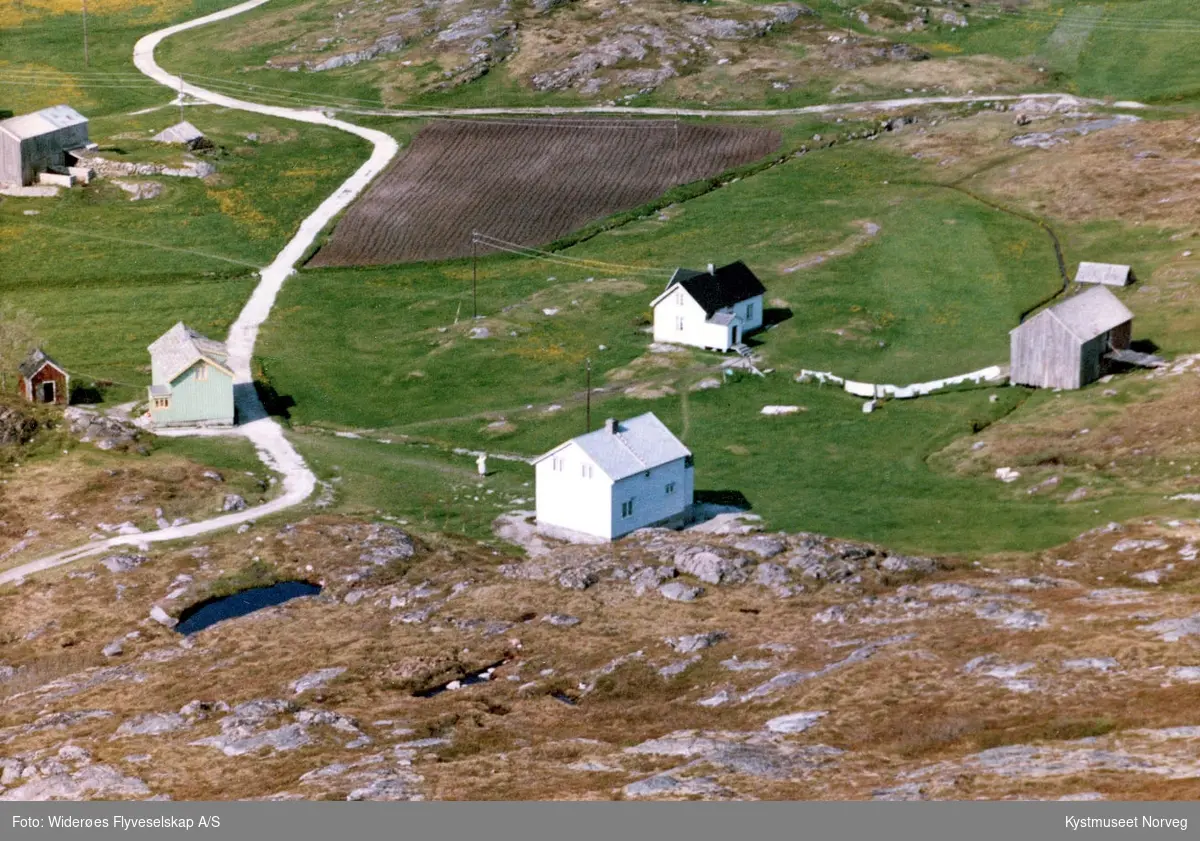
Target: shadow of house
{"type": "Point", "coordinates": [728, 498]}
{"type": "Point", "coordinates": [276, 404]}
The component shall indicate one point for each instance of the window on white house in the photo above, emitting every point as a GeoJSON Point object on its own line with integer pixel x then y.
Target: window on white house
{"type": "Point", "coordinates": [670, 488]}
{"type": "Point", "coordinates": [202, 372]}
{"type": "Point", "coordinates": [557, 463]}
{"type": "Point", "coordinates": [162, 402]}
{"type": "Point", "coordinates": [679, 323]}
{"type": "Point", "coordinates": [586, 471]}
{"type": "Point", "coordinates": [679, 298]}
{"type": "Point", "coordinates": [749, 310]}
{"type": "Point", "coordinates": [627, 509]}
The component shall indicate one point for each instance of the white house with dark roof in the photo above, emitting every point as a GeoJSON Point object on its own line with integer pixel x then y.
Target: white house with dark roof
{"type": "Point", "coordinates": [625, 476]}
{"type": "Point", "coordinates": [191, 381]}
{"type": "Point", "coordinates": [713, 309]}
{"type": "Point", "coordinates": [1067, 345]}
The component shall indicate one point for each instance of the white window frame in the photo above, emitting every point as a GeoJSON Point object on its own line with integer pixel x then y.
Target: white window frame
{"type": "Point", "coordinates": [627, 509]}
{"type": "Point", "coordinates": [679, 297]}
{"type": "Point", "coordinates": [679, 323]}
{"type": "Point", "coordinates": [586, 470]}
{"type": "Point", "coordinates": [557, 463]}
{"type": "Point", "coordinates": [202, 373]}
{"type": "Point", "coordinates": [670, 488]}
{"type": "Point", "coordinates": [162, 402]}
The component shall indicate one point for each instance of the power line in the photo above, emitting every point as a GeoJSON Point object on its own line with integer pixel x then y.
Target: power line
{"type": "Point", "coordinates": [580, 262]}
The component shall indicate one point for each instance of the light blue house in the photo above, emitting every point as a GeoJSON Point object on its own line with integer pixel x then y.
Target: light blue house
{"type": "Point", "coordinates": [191, 381]}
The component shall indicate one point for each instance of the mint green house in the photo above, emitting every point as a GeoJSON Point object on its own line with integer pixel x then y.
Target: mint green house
{"type": "Point", "coordinates": [191, 381]}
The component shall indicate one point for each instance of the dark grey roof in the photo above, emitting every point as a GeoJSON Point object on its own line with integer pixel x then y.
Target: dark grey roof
{"type": "Point", "coordinates": [636, 445]}
{"type": "Point", "coordinates": [36, 361]}
{"type": "Point", "coordinates": [725, 287]}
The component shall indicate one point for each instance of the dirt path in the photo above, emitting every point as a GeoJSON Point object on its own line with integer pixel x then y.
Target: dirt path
{"type": "Point", "coordinates": [275, 451]}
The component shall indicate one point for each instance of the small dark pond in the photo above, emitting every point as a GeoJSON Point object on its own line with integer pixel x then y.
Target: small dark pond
{"type": "Point", "coordinates": [210, 612]}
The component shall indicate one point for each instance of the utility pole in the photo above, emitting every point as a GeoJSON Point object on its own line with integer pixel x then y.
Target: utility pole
{"type": "Point", "coordinates": [588, 401]}
{"type": "Point", "coordinates": [86, 61]}
{"type": "Point", "coordinates": [474, 276]}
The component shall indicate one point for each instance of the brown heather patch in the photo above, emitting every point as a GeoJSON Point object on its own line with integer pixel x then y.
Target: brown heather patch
{"type": "Point", "coordinates": [907, 707]}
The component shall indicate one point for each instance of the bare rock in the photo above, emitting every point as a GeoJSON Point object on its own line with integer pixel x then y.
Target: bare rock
{"type": "Point", "coordinates": [696, 642]}
{"type": "Point", "coordinates": [233, 502]}
{"type": "Point", "coordinates": [577, 578]}
{"type": "Point", "coordinates": [151, 724]}
{"type": "Point", "coordinates": [316, 680]}
{"type": "Point", "coordinates": [677, 591]}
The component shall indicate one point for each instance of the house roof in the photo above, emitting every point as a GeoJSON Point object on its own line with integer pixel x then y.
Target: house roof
{"type": "Point", "coordinates": [1089, 314]}
{"type": "Point", "coordinates": [724, 318]}
{"type": "Point", "coordinates": [42, 122]}
{"type": "Point", "coordinates": [1108, 274]}
{"type": "Point", "coordinates": [183, 132]}
{"type": "Point", "coordinates": [36, 361]}
{"type": "Point", "coordinates": [724, 287]}
{"type": "Point", "coordinates": [636, 445]}
{"type": "Point", "coordinates": [160, 390]}
{"type": "Point", "coordinates": [181, 347]}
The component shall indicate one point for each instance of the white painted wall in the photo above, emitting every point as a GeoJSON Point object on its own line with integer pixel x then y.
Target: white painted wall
{"type": "Point", "coordinates": [569, 499]}
{"type": "Point", "coordinates": [651, 502]}
{"type": "Point", "coordinates": [667, 315]}
{"type": "Point", "coordinates": [566, 498]}
{"type": "Point", "coordinates": [696, 331]}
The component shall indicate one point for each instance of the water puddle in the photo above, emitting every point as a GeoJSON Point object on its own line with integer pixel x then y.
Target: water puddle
{"type": "Point", "coordinates": [208, 613]}
{"type": "Point", "coordinates": [470, 679]}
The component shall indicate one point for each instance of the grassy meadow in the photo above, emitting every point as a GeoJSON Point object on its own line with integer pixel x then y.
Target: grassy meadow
{"type": "Point", "coordinates": [104, 275]}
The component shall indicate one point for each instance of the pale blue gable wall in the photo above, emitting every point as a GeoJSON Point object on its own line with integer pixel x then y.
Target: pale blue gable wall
{"type": "Point", "coordinates": [196, 401]}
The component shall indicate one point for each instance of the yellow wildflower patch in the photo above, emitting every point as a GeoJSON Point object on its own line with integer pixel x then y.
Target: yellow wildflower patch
{"type": "Point", "coordinates": [15, 14]}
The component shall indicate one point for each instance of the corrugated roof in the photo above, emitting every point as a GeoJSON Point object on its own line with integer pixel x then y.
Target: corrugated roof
{"type": "Point", "coordinates": [725, 287]}
{"type": "Point", "coordinates": [42, 122]}
{"type": "Point", "coordinates": [33, 363]}
{"type": "Point", "coordinates": [161, 390]}
{"type": "Point", "coordinates": [1090, 313]}
{"type": "Point", "coordinates": [636, 445]}
{"type": "Point", "coordinates": [1108, 274]}
{"type": "Point", "coordinates": [724, 318]}
{"type": "Point", "coordinates": [181, 347]}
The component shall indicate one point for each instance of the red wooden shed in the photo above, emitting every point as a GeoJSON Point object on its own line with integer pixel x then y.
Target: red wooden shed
{"type": "Point", "coordinates": [43, 380]}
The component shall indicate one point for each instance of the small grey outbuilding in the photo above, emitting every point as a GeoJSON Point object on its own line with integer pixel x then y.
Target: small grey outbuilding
{"type": "Point", "coordinates": [1065, 346]}
{"type": "Point", "coordinates": [39, 142]}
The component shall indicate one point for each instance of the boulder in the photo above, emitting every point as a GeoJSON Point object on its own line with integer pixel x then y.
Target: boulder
{"type": "Point", "coordinates": [677, 591]}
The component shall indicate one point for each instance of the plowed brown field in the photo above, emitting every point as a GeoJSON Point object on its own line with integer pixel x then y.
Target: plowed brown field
{"type": "Point", "coordinates": [526, 181]}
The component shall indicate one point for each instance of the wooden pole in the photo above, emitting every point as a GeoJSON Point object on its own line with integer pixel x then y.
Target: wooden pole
{"type": "Point", "coordinates": [588, 417]}
{"type": "Point", "coordinates": [474, 277]}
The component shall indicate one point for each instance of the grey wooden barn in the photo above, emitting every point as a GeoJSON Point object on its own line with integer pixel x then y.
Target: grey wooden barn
{"type": "Point", "coordinates": [39, 142]}
{"type": "Point", "coordinates": [1065, 346]}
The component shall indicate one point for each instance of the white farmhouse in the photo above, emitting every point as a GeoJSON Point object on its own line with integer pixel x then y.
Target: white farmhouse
{"type": "Point", "coordinates": [607, 483]}
{"type": "Point", "coordinates": [713, 309]}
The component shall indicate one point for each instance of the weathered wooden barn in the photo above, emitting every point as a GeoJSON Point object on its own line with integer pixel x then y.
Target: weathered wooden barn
{"type": "Point", "coordinates": [1065, 346]}
{"type": "Point", "coordinates": [191, 381]}
{"type": "Point", "coordinates": [1106, 274]}
{"type": "Point", "coordinates": [39, 142]}
{"type": "Point", "coordinates": [43, 380]}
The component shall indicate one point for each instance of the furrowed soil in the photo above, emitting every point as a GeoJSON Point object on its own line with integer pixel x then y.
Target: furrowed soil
{"type": "Point", "coordinates": [526, 182]}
